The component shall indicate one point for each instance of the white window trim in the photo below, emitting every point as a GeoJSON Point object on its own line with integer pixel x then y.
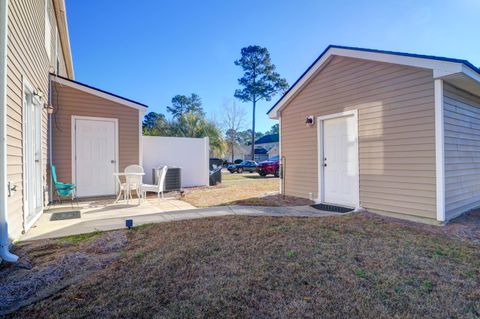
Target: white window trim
{"type": "Point", "coordinates": [56, 64]}
{"type": "Point", "coordinates": [73, 143]}
{"type": "Point", "coordinates": [48, 31]}
{"type": "Point", "coordinates": [439, 149]}
{"type": "Point", "coordinates": [320, 162]}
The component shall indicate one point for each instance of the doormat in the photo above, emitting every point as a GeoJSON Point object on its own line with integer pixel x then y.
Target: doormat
{"type": "Point", "coordinates": [65, 215]}
{"type": "Point", "coordinates": [332, 208]}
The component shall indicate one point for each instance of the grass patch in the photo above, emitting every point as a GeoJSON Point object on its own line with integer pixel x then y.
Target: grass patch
{"type": "Point", "coordinates": [291, 254]}
{"type": "Point", "coordinates": [74, 239]}
{"type": "Point", "coordinates": [234, 187]}
{"type": "Point", "coordinates": [352, 266]}
{"type": "Point", "coordinates": [248, 189]}
{"type": "Point", "coordinates": [138, 255]}
{"type": "Point", "coordinates": [360, 273]}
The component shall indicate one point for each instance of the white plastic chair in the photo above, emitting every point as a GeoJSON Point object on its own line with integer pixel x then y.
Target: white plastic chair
{"type": "Point", "coordinates": [122, 188]}
{"type": "Point", "coordinates": [160, 186]}
{"type": "Point", "coordinates": [133, 182]}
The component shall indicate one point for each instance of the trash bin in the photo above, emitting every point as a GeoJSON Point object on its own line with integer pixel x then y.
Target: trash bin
{"type": "Point", "coordinates": [215, 166]}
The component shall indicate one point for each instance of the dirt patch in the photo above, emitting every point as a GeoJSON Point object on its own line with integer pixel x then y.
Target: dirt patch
{"type": "Point", "coordinates": [356, 265]}
{"type": "Point", "coordinates": [108, 243]}
{"type": "Point", "coordinates": [273, 200]}
{"type": "Point", "coordinates": [48, 266]}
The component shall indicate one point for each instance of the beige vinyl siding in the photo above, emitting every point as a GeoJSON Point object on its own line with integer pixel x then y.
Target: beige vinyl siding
{"type": "Point", "coordinates": [462, 151]}
{"type": "Point", "coordinates": [26, 61]}
{"type": "Point", "coordinates": [69, 102]}
{"type": "Point", "coordinates": [396, 133]}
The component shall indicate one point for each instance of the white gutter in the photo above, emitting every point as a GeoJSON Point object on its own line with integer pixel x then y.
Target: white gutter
{"type": "Point", "coordinates": [61, 16]}
{"type": "Point", "coordinates": [4, 241]}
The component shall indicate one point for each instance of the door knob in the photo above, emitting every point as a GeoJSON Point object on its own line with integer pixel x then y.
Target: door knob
{"type": "Point", "coordinates": [112, 161]}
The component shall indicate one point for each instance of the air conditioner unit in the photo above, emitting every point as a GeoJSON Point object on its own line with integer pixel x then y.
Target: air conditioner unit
{"type": "Point", "coordinates": [173, 179]}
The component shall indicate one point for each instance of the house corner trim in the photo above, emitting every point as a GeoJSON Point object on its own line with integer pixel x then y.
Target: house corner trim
{"type": "Point", "coordinates": [439, 149]}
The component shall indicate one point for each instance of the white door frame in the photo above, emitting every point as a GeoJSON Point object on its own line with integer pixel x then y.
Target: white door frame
{"type": "Point", "coordinates": [28, 89]}
{"type": "Point", "coordinates": [92, 118]}
{"type": "Point", "coordinates": [320, 145]}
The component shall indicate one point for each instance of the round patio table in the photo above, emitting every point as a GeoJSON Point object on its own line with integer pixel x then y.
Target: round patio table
{"type": "Point", "coordinates": [126, 187]}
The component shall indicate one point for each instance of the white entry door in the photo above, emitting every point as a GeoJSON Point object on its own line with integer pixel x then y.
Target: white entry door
{"type": "Point", "coordinates": [95, 156]}
{"type": "Point", "coordinates": [340, 163]}
{"type": "Point", "coordinates": [33, 180]}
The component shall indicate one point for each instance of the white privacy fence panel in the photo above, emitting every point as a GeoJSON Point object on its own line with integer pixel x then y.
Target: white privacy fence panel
{"type": "Point", "coordinates": [190, 154]}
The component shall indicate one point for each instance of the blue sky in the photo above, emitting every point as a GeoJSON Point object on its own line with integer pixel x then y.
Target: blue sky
{"type": "Point", "coordinates": [151, 50]}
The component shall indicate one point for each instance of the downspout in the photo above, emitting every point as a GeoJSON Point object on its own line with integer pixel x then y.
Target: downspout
{"type": "Point", "coordinates": [4, 241]}
{"type": "Point", "coordinates": [50, 143]}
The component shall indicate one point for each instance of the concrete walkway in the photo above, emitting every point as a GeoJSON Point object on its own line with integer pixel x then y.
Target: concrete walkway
{"type": "Point", "coordinates": [99, 214]}
{"type": "Point", "coordinates": [53, 229]}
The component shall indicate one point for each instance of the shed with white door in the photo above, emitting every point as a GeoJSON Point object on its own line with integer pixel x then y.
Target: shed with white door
{"type": "Point", "coordinates": [94, 134]}
{"type": "Point", "coordinates": [390, 132]}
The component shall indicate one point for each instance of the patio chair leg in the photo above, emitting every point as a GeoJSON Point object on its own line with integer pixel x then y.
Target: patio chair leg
{"type": "Point", "coordinates": [50, 205]}
{"type": "Point", "coordinates": [119, 194]}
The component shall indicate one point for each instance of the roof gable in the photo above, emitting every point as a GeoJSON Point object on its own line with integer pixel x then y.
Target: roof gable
{"type": "Point", "coordinates": [98, 92]}
{"type": "Point", "coordinates": [271, 138]}
{"type": "Point", "coordinates": [442, 67]}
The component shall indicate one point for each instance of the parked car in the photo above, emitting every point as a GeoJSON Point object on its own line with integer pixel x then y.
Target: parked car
{"type": "Point", "coordinates": [245, 166]}
{"type": "Point", "coordinates": [272, 166]}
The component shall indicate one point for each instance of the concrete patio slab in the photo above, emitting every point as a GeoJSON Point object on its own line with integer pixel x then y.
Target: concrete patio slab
{"type": "Point", "coordinates": [104, 215]}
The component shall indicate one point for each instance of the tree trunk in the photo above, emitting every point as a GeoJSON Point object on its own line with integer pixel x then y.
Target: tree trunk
{"type": "Point", "coordinates": [233, 155]}
{"type": "Point", "coordinates": [253, 129]}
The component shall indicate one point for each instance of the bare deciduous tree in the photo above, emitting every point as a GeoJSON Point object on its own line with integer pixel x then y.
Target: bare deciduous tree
{"type": "Point", "coordinates": [233, 121]}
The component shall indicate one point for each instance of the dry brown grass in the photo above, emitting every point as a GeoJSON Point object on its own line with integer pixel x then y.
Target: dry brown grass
{"type": "Point", "coordinates": [247, 189]}
{"type": "Point", "coordinates": [353, 266]}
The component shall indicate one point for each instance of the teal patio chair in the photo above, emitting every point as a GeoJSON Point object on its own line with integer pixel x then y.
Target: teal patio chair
{"type": "Point", "coordinates": [63, 190]}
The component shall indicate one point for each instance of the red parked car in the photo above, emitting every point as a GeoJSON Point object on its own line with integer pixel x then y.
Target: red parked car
{"type": "Point", "coordinates": [272, 166]}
